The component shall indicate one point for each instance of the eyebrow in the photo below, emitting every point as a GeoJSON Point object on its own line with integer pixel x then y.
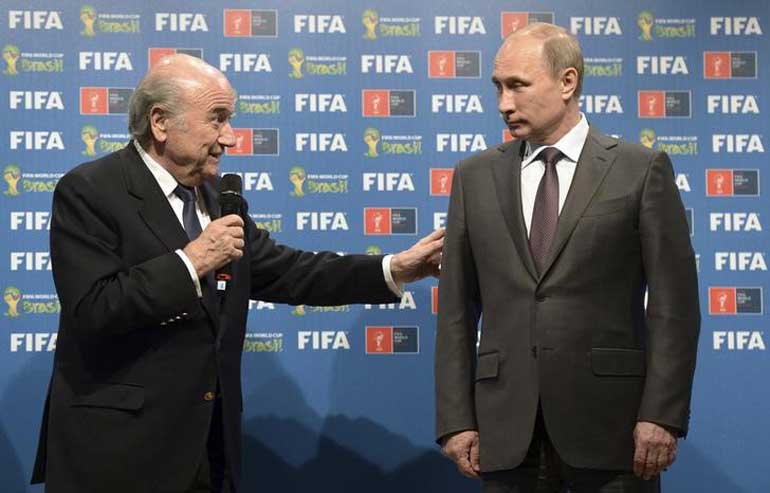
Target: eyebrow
{"type": "Point", "coordinates": [510, 78]}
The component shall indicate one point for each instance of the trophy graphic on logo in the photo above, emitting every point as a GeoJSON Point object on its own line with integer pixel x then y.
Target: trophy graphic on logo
{"type": "Point", "coordinates": [651, 101]}
{"type": "Point", "coordinates": [89, 135]}
{"type": "Point", "coordinates": [94, 102]}
{"type": "Point", "coordinates": [297, 178]}
{"type": "Point", "coordinates": [11, 55]}
{"type": "Point", "coordinates": [378, 339]}
{"type": "Point", "coordinates": [645, 22]}
{"type": "Point", "coordinates": [12, 296]}
{"type": "Point", "coordinates": [442, 183]}
{"type": "Point", "coordinates": [719, 181]}
{"type": "Point", "coordinates": [647, 138]}
{"type": "Point", "coordinates": [88, 18]}
{"type": "Point", "coordinates": [370, 18]}
{"type": "Point", "coordinates": [296, 59]}
{"type": "Point", "coordinates": [515, 24]}
{"type": "Point", "coordinates": [722, 299]}
{"type": "Point", "coordinates": [371, 138]}
{"type": "Point", "coordinates": [441, 64]}
{"type": "Point", "coordinates": [377, 222]}
{"type": "Point", "coordinates": [717, 66]}
{"type": "Point", "coordinates": [12, 175]}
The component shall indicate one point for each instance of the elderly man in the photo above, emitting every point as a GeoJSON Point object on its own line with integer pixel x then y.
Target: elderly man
{"type": "Point", "coordinates": [574, 385]}
{"type": "Point", "coordinates": [146, 387]}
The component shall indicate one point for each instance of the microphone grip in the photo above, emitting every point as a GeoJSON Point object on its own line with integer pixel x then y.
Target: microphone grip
{"type": "Point", "coordinates": [230, 205]}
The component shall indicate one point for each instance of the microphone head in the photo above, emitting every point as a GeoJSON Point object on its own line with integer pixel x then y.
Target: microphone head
{"type": "Point", "coordinates": [231, 183]}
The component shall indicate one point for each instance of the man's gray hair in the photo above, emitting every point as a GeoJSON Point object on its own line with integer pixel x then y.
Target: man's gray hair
{"type": "Point", "coordinates": [153, 90]}
{"type": "Point", "coordinates": [561, 50]}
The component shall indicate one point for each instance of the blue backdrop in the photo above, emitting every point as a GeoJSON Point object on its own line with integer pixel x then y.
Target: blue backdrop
{"type": "Point", "coordinates": [350, 118]}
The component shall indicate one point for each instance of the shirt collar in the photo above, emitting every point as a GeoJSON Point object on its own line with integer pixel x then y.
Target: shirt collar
{"type": "Point", "coordinates": [165, 180]}
{"type": "Point", "coordinates": [571, 144]}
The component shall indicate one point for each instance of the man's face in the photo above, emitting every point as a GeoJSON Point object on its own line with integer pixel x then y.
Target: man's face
{"type": "Point", "coordinates": [197, 137]}
{"type": "Point", "coordinates": [529, 99]}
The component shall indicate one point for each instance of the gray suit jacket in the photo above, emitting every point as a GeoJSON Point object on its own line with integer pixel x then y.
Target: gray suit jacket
{"type": "Point", "coordinates": [577, 338]}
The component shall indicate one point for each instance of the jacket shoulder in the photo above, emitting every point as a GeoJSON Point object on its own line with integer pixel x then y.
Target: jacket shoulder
{"type": "Point", "coordinates": [482, 160]}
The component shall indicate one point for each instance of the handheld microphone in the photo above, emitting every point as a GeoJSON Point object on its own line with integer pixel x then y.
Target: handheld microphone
{"type": "Point", "coordinates": [230, 202]}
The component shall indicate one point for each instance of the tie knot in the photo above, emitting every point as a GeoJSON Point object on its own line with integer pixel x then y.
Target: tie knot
{"type": "Point", "coordinates": [187, 194]}
{"type": "Point", "coordinates": [550, 155]}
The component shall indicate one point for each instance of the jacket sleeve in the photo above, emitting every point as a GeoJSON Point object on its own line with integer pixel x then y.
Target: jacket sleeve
{"type": "Point", "coordinates": [458, 315]}
{"type": "Point", "coordinates": [673, 313]}
{"type": "Point", "coordinates": [100, 295]}
{"type": "Point", "coordinates": [284, 275]}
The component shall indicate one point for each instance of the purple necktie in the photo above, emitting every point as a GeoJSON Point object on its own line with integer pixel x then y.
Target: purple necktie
{"type": "Point", "coordinates": [546, 212]}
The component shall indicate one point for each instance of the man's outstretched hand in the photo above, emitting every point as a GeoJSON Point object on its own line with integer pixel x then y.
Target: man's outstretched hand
{"type": "Point", "coordinates": [423, 259]}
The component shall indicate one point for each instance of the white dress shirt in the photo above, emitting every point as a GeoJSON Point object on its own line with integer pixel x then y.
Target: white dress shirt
{"type": "Point", "coordinates": [533, 169]}
{"type": "Point", "coordinates": [168, 184]}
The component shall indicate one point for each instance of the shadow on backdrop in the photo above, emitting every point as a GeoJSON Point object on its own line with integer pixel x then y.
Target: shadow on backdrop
{"type": "Point", "coordinates": [287, 447]}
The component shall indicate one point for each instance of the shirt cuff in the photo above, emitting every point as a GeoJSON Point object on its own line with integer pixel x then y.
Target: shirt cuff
{"type": "Point", "coordinates": [397, 289]}
{"type": "Point", "coordinates": [194, 275]}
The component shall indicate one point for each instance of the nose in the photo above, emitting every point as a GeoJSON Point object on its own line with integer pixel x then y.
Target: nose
{"type": "Point", "coordinates": [226, 135]}
{"type": "Point", "coordinates": [506, 102]}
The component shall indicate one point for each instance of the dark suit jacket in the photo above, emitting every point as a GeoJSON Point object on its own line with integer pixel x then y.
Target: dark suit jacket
{"type": "Point", "coordinates": [577, 338]}
{"type": "Point", "coordinates": [138, 351]}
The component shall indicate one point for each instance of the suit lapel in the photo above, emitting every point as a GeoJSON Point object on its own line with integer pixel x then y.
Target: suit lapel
{"type": "Point", "coordinates": [154, 208]}
{"type": "Point", "coordinates": [506, 171]}
{"type": "Point", "coordinates": [594, 163]}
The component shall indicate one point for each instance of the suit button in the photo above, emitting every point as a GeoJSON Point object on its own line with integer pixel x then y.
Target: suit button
{"type": "Point", "coordinates": [209, 396]}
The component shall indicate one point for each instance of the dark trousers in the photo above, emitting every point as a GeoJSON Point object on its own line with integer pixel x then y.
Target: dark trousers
{"type": "Point", "coordinates": [543, 471]}
{"type": "Point", "coordinates": [212, 475]}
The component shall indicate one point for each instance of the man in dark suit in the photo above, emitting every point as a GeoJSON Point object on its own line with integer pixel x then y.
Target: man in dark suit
{"type": "Point", "coordinates": [554, 238]}
{"type": "Point", "coordinates": [146, 388]}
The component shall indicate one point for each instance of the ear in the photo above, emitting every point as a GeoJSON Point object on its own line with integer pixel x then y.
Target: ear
{"type": "Point", "coordinates": [158, 123]}
{"type": "Point", "coordinates": [569, 82]}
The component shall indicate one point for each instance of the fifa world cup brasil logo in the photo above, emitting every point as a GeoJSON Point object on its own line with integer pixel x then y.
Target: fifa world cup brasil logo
{"type": "Point", "coordinates": [371, 138]}
{"type": "Point", "coordinates": [370, 18]}
{"type": "Point", "coordinates": [299, 311]}
{"type": "Point", "coordinates": [297, 178]}
{"type": "Point", "coordinates": [12, 296]}
{"type": "Point", "coordinates": [296, 59]}
{"type": "Point", "coordinates": [88, 18]}
{"type": "Point", "coordinates": [12, 175]}
{"type": "Point", "coordinates": [89, 134]}
{"type": "Point", "coordinates": [373, 250]}
{"type": "Point", "coordinates": [11, 56]}
{"type": "Point", "coordinates": [645, 22]}
{"type": "Point", "coordinates": [647, 138]}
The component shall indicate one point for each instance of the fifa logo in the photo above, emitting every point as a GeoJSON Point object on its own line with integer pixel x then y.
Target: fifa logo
{"type": "Point", "coordinates": [371, 139]}
{"type": "Point", "coordinates": [647, 137]}
{"type": "Point", "coordinates": [296, 59]}
{"type": "Point", "coordinates": [645, 22]}
{"type": "Point", "coordinates": [12, 296]}
{"type": "Point", "coordinates": [12, 175]}
{"type": "Point", "coordinates": [297, 178]}
{"type": "Point", "coordinates": [11, 55]}
{"type": "Point", "coordinates": [370, 18]}
{"type": "Point", "coordinates": [89, 135]}
{"type": "Point", "coordinates": [88, 18]}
